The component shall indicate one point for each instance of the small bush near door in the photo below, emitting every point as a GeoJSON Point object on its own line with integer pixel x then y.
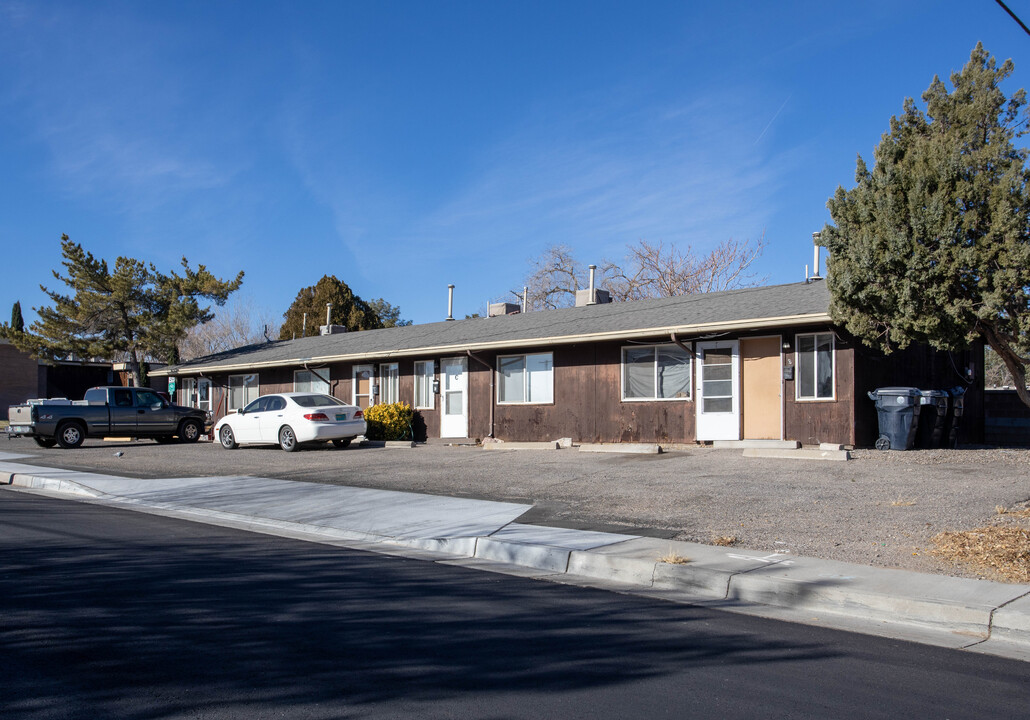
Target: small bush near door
{"type": "Point", "coordinates": [389, 421]}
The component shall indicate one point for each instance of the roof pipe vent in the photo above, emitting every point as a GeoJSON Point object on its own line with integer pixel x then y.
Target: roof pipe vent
{"type": "Point", "coordinates": [450, 302]}
{"type": "Point", "coordinates": [815, 257]}
{"type": "Point", "coordinates": [593, 297]}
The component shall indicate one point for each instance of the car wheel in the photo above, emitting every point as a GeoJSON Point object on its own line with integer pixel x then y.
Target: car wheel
{"type": "Point", "coordinates": [190, 431]}
{"type": "Point", "coordinates": [287, 438]}
{"type": "Point", "coordinates": [342, 442]}
{"type": "Point", "coordinates": [44, 442]}
{"type": "Point", "coordinates": [70, 435]}
{"type": "Point", "coordinates": [227, 439]}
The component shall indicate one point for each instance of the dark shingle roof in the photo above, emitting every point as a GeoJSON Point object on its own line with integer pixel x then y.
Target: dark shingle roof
{"type": "Point", "coordinates": [687, 315]}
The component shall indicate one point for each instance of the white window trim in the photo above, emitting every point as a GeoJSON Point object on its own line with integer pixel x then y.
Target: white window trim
{"type": "Point", "coordinates": [622, 374]}
{"type": "Point", "coordinates": [525, 386]}
{"type": "Point", "coordinates": [797, 368]}
{"type": "Point", "coordinates": [429, 378]}
{"type": "Point", "coordinates": [228, 385]}
{"type": "Point", "coordinates": [322, 372]}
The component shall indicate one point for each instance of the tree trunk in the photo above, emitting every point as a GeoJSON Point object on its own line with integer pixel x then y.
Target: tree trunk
{"type": "Point", "coordinates": [1013, 362]}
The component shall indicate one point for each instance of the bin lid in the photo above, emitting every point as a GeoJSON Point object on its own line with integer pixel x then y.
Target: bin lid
{"type": "Point", "coordinates": [904, 391]}
{"type": "Point", "coordinates": [934, 393]}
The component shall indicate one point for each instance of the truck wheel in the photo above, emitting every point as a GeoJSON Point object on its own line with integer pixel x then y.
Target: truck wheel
{"type": "Point", "coordinates": [44, 442]}
{"type": "Point", "coordinates": [287, 438]}
{"type": "Point", "coordinates": [70, 435]}
{"type": "Point", "coordinates": [227, 439]}
{"type": "Point", "coordinates": [190, 431]}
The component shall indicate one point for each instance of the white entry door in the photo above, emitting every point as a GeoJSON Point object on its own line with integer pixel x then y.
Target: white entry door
{"type": "Point", "coordinates": [454, 414]}
{"type": "Point", "coordinates": [718, 390]}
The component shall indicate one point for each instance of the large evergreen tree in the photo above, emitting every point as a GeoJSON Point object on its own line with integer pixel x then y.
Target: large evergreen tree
{"type": "Point", "coordinates": [933, 244]}
{"type": "Point", "coordinates": [132, 312]}
{"type": "Point", "coordinates": [347, 309]}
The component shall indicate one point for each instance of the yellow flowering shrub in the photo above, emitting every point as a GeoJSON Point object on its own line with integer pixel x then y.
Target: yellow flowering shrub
{"type": "Point", "coordinates": [388, 421]}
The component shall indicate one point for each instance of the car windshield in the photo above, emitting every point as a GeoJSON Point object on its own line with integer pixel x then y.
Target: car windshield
{"type": "Point", "coordinates": [311, 401]}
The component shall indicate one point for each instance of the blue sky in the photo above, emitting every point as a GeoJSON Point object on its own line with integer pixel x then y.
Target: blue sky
{"type": "Point", "coordinates": [402, 146]}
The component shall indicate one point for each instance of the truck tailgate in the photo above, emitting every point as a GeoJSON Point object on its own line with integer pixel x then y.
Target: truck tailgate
{"type": "Point", "coordinates": [20, 415]}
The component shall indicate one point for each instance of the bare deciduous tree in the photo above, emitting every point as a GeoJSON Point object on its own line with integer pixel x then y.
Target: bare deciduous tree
{"type": "Point", "coordinates": [236, 324]}
{"type": "Point", "coordinates": [649, 271]}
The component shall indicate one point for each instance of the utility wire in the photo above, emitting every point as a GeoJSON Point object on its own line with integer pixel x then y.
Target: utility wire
{"type": "Point", "coordinates": [1006, 9]}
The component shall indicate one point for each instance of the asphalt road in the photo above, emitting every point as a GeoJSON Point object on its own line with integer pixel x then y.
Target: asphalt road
{"type": "Point", "coordinates": [114, 614]}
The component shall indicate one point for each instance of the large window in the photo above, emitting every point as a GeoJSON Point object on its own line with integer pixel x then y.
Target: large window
{"type": "Point", "coordinates": [308, 381]}
{"type": "Point", "coordinates": [243, 389]}
{"type": "Point", "coordinates": [655, 372]}
{"type": "Point", "coordinates": [526, 378]}
{"type": "Point", "coordinates": [815, 366]}
{"type": "Point", "coordinates": [424, 384]}
{"type": "Point", "coordinates": [389, 383]}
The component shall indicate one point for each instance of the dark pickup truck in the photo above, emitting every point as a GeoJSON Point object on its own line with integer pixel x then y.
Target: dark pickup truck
{"type": "Point", "coordinates": [107, 412]}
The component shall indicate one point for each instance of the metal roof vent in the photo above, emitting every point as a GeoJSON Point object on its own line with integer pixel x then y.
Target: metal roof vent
{"type": "Point", "coordinates": [503, 308]}
{"type": "Point", "coordinates": [331, 329]}
{"type": "Point", "coordinates": [592, 295]}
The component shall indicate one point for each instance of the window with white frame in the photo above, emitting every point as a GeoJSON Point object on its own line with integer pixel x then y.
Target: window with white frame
{"type": "Point", "coordinates": [389, 383]}
{"type": "Point", "coordinates": [243, 389]}
{"type": "Point", "coordinates": [655, 372]}
{"type": "Point", "coordinates": [316, 381]}
{"type": "Point", "coordinates": [424, 377]}
{"type": "Point", "coordinates": [526, 378]}
{"type": "Point", "coordinates": [814, 366]}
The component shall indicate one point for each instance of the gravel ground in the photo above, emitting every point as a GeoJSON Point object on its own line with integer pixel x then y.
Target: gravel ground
{"type": "Point", "coordinates": [880, 508]}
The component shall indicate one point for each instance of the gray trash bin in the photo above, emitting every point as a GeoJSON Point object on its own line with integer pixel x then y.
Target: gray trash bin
{"type": "Point", "coordinates": [897, 409]}
{"type": "Point", "coordinates": [933, 412]}
{"type": "Point", "coordinates": [955, 410]}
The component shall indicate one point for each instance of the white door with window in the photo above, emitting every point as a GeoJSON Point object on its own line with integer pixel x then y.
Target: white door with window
{"type": "Point", "coordinates": [454, 391]}
{"type": "Point", "coordinates": [718, 390]}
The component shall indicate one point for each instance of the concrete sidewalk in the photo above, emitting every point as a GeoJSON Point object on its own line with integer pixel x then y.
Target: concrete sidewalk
{"type": "Point", "coordinates": [965, 614]}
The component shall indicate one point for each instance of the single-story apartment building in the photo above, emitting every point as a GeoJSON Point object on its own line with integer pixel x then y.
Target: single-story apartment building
{"type": "Point", "coordinates": [763, 363]}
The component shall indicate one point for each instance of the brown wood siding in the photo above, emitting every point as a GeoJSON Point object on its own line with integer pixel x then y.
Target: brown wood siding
{"type": "Point", "coordinates": [587, 403]}
{"type": "Point", "coordinates": [815, 421]}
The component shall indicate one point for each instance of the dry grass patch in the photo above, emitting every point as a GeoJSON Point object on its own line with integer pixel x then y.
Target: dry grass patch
{"type": "Point", "coordinates": [903, 502]}
{"type": "Point", "coordinates": [724, 540]}
{"type": "Point", "coordinates": [674, 558]}
{"type": "Point", "coordinates": [1001, 550]}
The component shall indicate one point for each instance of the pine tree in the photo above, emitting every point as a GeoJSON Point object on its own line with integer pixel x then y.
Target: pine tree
{"type": "Point", "coordinates": [347, 309]}
{"type": "Point", "coordinates": [132, 312]}
{"type": "Point", "coordinates": [933, 243]}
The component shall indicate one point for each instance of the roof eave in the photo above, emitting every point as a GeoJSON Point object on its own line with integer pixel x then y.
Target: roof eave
{"type": "Point", "coordinates": [694, 329]}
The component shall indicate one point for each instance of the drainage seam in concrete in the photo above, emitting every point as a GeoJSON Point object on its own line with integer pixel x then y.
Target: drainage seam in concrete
{"type": "Point", "coordinates": [990, 620]}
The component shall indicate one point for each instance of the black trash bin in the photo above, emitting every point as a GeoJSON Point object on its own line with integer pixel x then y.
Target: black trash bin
{"type": "Point", "coordinates": [953, 419]}
{"type": "Point", "coordinates": [933, 412]}
{"type": "Point", "coordinates": [897, 409]}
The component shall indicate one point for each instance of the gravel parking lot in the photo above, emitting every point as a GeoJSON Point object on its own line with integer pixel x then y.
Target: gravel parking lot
{"type": "Point", "coordinates": [880, 508]}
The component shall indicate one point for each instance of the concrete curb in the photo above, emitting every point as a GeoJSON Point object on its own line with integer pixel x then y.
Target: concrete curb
{"type": "Point", "coordinates": [953, 612]}
{"type": "Point", "coordinates": [630, 448]}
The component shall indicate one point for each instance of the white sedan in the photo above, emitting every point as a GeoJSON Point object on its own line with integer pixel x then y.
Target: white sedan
{"type": "Point", "coordinates": [289, 419]}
